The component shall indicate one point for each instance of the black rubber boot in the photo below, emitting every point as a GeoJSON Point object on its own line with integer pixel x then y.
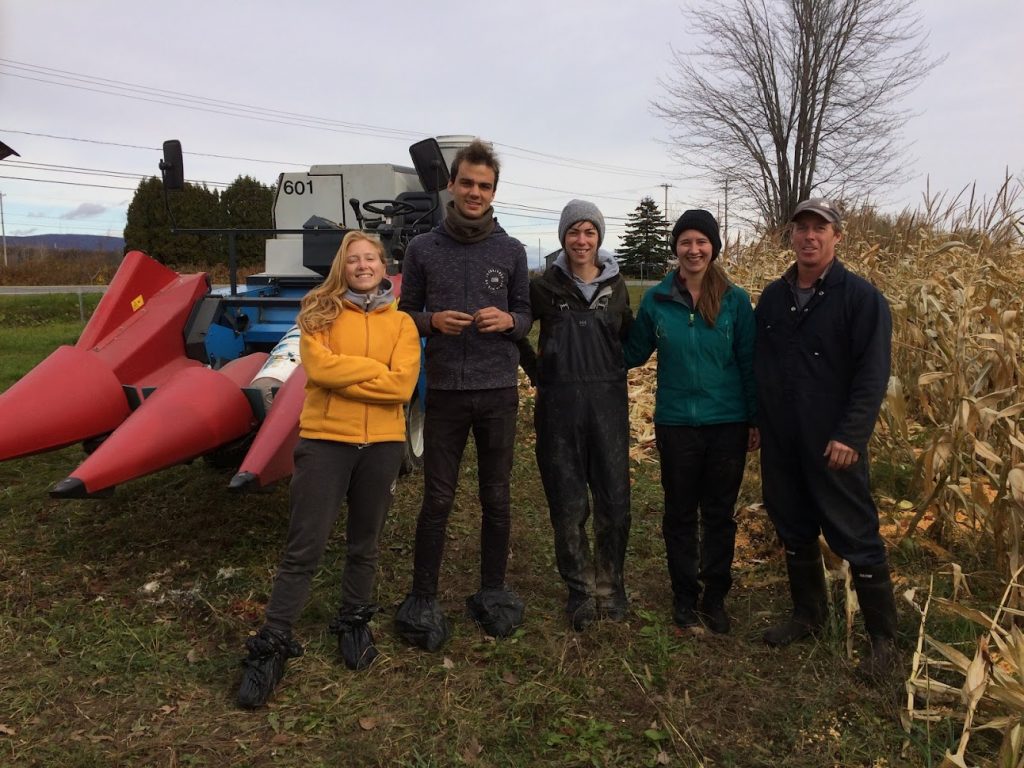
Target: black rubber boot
{"type": "Point", "coordinates": [581, 610]}
{"type": "Point", "coordinates": [355, 640]}
{"type": "Point", "coordinates": [614, 607]}
{"type": "Point", "coordinates": [877, 603]}
{"type": "Point", "coordinates": [807, 590]}
{"type": "Point", "coordinates": [684, 616]}
{"type": "Point", "coordinates": [714, 616]}
{"type": "Point", "coordinates": [269, 652]}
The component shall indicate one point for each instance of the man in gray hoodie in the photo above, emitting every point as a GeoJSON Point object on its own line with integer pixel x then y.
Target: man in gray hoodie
{"type": "Point", "coordinates": [466, 286]}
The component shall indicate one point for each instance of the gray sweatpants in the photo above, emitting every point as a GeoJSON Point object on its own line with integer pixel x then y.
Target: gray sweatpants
{"type": "Point", "coordinates": [326, 474]}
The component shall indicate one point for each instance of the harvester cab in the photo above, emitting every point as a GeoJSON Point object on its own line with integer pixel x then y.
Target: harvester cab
{"type": "Point", "coordinates": [168, 369]}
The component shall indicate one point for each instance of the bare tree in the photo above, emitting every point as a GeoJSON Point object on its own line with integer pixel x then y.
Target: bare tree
{"type": "Point", "coordinates": [783, 99]}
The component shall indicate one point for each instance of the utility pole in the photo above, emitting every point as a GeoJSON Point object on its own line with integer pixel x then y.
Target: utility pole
{"type": "Point", "coordinates": [3, 229]}
{"type": "Point", "coordinates": [726, 217]}
{"type": "Point", "coordinates": [665, 209]}
{"type": "Point", "coordinates": [5, 152]}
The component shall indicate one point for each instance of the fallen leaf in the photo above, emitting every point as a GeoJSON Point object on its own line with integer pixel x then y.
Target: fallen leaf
{"type": "Point", "coordinates": [367, 723]}
{"type": "Point", "coordinates": [6, 730]}
{"type": "Point", "coordinates": [662, 758]}
{"type": "Point", "coordinates": [511, 678]}
{"type": "Point", "coordinates": [192, 656]}
{"type": "Point", "coordinates": [166, 709]}
{"type": "Point", "coordinates": [472, 750]}
{"type": "Point", "coordinates": [448, 663]}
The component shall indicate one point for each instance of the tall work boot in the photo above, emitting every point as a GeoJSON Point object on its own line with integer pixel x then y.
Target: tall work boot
{"type": "Point", "coordinates": [807, 589]}
{"type": "Point", "coordinates": [874, 593]}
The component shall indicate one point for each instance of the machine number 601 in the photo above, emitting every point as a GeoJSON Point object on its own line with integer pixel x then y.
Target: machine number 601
{"type": "Point", "coordinates": [297, 187]}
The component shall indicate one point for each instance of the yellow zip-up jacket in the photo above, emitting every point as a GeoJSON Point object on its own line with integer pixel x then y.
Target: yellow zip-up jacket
{"type": "Point", "coordinates": [360, 372]}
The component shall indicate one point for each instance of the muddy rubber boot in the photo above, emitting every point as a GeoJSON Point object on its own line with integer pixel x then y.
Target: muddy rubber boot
{"type": "Point", "coordinates": [877, 603]}
{"type": "Point", "coordinates": [807, 590]}
{"type": "Point", "coordinates": [269, 652]}
{"type": "Point", "coordinates": [355, 640]}
{"type": "Point", "coordinates": [581, 610]}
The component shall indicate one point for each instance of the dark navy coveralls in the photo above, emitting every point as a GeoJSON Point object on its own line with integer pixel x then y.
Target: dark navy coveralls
{"type": "Point", "coordinates": [822, 372]}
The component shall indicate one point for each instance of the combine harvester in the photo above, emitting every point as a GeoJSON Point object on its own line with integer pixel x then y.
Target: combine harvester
{"type": "Point", "coordinates": [166, 370]}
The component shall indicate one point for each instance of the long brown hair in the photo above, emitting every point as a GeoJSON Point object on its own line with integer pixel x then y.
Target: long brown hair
{"type": "Point", "coordinates": [322, 305]}
{"type": "Point", "coordinates": [713, 286]}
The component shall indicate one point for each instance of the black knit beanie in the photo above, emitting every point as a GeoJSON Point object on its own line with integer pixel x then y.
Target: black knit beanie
{"type": "Point", "coordinates": [703, 222]}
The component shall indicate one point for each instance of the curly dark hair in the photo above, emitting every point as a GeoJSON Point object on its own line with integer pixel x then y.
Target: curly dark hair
{"type": "Point", "coordinates": [477, 152]}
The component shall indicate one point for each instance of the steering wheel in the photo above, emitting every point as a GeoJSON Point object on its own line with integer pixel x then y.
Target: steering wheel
{"type": "Point", "coordinates": [390, 208]}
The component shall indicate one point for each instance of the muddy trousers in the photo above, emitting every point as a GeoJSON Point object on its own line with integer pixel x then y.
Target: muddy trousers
{"type": "Point", "coordinates": [701, 470]}
{"type": "Point", "coordinates": [328, 473]}
{"type": "Point", "coordinates": [583, 452]}
{"type": "Point", "coordinates": [450, 416]}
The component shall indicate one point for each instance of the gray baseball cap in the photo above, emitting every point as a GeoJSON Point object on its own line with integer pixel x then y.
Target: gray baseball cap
{"type": "Point", "coordinates": [819, 205]}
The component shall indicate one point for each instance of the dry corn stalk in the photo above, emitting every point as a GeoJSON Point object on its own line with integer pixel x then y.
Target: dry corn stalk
{"type": "Point", "coordinates": [991, 695]}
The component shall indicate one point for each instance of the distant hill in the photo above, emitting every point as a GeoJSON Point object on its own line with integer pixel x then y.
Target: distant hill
{"type": "Point", "coordinates": [69, 242]}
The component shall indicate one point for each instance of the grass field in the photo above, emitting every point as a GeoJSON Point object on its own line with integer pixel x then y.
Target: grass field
{"type": "Point", "coordinates": [122, 623]}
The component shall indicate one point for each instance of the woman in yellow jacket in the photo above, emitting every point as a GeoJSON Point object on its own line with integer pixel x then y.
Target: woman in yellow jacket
{"type": "Point", "coordinates": [362, 358]}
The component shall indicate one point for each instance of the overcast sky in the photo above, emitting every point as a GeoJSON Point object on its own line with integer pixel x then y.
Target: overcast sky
{"type": "Point", "coordinates": [562, 88]}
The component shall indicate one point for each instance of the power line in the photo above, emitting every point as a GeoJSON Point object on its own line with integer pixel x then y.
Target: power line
{"type": "Point", "coordinates": [605, 196]}
{"type": "Point", "coordinates": [54, 168]}
{"type": "Point", "coordinates": [67, 183]}
{"type": "Point", "coordinates": [153, 149]}
{"type": "Point", "coordinates": [135, 91]}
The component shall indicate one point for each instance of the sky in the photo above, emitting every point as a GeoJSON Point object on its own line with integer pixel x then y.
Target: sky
{"type": "Point", "coordinates": [89, 91]}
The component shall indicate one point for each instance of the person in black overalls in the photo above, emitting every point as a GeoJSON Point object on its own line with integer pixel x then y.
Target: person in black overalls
{"type": "Point", "coordinates": [821, 361]}
{"type": "Point", "coordinates": [581, 416]}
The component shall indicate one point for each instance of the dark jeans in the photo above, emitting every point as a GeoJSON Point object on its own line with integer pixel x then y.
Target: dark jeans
{"type": "Point", "coordinates": [450, 416]}
{"type": "Point", "coordinates": [701, 470]}
{"type": "Point", "coordinates": [583, 450]}
{"type": "Point", "coordinates": [804, 497]}
{"type": "Point", "coordinates": [326, 474]}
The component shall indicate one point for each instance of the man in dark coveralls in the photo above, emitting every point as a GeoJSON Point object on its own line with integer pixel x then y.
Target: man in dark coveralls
{"type": "Point", "coordinates": [821, 363]}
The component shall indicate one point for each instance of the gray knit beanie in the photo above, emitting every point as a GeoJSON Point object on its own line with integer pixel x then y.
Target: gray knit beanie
{"type": "Point", "coordinates": [580, 210]}
{"type": "Point", "coordinates": [702, 221]}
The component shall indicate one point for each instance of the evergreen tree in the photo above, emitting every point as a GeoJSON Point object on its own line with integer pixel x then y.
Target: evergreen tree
{"type": "Point", "coordinates": [644, 251]}
{"type": "Point", "coordinates": [248, 204]}
{"type": "Point", "coordinates": [148, 229]}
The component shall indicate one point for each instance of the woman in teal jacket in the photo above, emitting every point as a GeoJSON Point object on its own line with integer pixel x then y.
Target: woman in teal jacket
{"type": "Point", "coordinates": [702, 327]}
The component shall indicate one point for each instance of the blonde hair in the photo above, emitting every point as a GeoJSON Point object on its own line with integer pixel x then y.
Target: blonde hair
{"type": "Point", "coordinates": [322, 305]}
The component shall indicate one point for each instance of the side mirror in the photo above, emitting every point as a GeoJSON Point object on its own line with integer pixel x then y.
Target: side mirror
{"type": "Point", "coordinates": [171, 166]}
{"type": "Point", "coordinates": [429, 164]}
{"type": "Point", "coordinates": [6, 151]}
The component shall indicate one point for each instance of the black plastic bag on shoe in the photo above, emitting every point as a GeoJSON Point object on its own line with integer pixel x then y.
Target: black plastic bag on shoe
{"type": "Point", "coordinates": [497, 611]}
{"type": "Point", "coordinates": [420, 621]}
{"type": "Point", "coordinates": [264, 667]}
{"type": "Point", "coordinates": [355, 640]}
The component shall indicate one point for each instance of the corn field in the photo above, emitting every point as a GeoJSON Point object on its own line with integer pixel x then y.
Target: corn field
{"type": "Point", "coordinates": [954, 278]}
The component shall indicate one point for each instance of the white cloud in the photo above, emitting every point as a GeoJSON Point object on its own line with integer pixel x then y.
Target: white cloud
{"type": "Point", "coordinates": [84, 211]}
